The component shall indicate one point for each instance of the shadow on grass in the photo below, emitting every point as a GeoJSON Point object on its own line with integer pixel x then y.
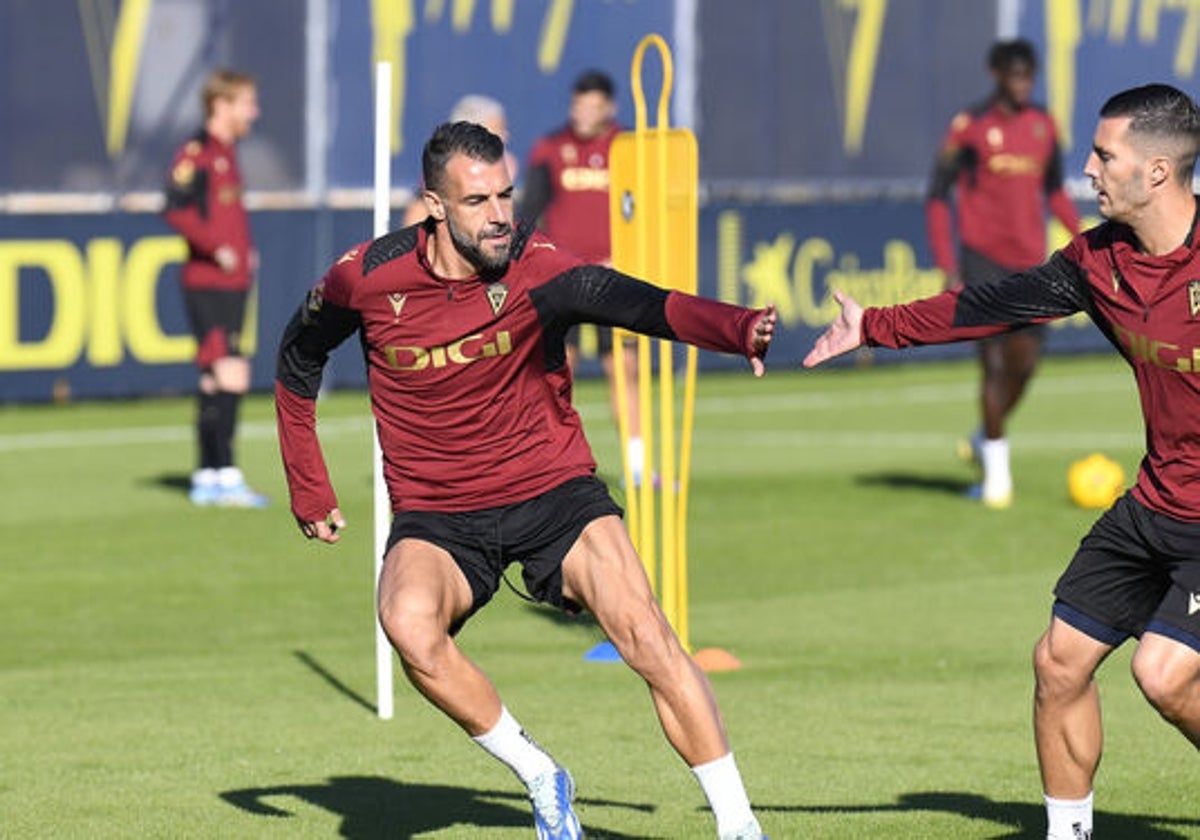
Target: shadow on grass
{"type": "Point", "coordinates": [309, 661]}
{"type": "Point", "coordinates": [913, 481]}
{"type": "Point", "coordinates": [373, 808]}
{"type": "Point", "coordinates": [173, 482]}
{"type": "Point", "coordinates": [1020, 820]}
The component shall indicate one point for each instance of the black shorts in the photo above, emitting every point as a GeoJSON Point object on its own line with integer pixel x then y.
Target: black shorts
{"type": "Point", "coordinates": [536, 533]}
{"type": "Point", "coordinates": [216, 317]}
{"type": "Point", "coordinates": [1136, 570]}
{"type": "Point", "coordinates": [975, 270]}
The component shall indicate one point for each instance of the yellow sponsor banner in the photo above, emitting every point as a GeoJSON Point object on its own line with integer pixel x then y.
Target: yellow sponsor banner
{"type": "Point", "coordinates": [103, 303]}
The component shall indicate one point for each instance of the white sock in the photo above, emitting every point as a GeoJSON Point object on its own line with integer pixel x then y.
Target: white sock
{"type": "Point", "coordinates": [206, 477]}
{"type": "Point", "coordinates": [230, 477]}
{"type": "Point", "coordinates": [997, 479]}
{"type": "Point", "coordinates": [1069, 819]}
{"type": "Point", "coordinates": [722, 784]}
{"type": "Point", "coordinates": [508, 742]}
{"type": "Point", "coordinates": [635, 453]}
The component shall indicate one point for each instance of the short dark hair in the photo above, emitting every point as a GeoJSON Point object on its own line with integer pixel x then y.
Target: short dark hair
{"type": "Point", "coordinates": [1163, 113]}
{"type": "Point", "coordinates": [449, 139]}
{"type": "Point", "coordinates": [597, 81]}
{"type": "Point", "coordinates": [1004, 54]}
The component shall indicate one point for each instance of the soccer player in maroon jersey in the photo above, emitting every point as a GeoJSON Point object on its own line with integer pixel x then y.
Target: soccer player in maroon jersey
{"type": "Point", "coordinates": [462, 319]}
{"type": "Point", "coordinates": [204, 204]}
{"type": "Point", "coordinates": [566, 193]}
{"type": "Point", "coordinates": [1000, 160]}
{"type": "Point", "coordinates": [1137, 572]}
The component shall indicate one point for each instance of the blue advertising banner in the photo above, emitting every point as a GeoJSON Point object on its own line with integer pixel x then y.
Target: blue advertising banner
{"type": "Point", "coordinates": [92, 305]}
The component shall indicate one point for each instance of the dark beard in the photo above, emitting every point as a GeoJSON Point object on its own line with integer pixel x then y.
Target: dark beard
{"type": "Point", "coordinates": [474, 254]}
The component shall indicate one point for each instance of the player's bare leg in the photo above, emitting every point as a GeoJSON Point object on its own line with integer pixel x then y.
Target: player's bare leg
{"type": "Point", "coordinates": [1021, 353]}
{"type": "Point", "coordinates": [1007, 364]}
{"type": "Point", "coordinates": [603, 572]}
{"type": "Point", "coordinates": [1067, 725]}
{"type": "Point", "coordinates": [993, 394]}
{"type": "Point", "coordinates": [1168, 674]}
{"type": "Point", "coordinates": [421, 594]}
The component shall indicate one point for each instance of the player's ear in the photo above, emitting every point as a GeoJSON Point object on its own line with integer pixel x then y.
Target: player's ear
{"type": "Point", "coordinates": [1160, 170]}
{"type": "Point", "coordinates": [433, 203]}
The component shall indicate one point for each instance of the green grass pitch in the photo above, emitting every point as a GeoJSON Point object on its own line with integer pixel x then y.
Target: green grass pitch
{"type": "Point", "coordinates": [169, 672]}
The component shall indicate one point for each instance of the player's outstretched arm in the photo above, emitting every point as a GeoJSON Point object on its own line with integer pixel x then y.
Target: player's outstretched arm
{"type": "Point", "coordinates": [843, 335]}
{"type": "Point", "coordinates": [760, 339]}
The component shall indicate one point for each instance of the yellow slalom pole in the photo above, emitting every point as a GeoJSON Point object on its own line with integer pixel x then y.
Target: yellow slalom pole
{"type": "Point", "coordinates": [654, 211]}
{"type": "Point", "coordinates": [643, 497]}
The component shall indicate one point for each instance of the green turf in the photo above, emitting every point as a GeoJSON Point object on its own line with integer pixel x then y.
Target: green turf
{"type": "Point", "coordinates": [176, 673]}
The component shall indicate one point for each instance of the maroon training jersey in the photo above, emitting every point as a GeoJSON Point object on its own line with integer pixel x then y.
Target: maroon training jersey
{"type": "Point", "coordinates": [1005, 169]}
{"type": "Point", "coordinates": [1147, 306]}
{"type": "Point", "coordinates": [468, 378]}
{"type": "Point", "coordinates": [204, 204]}
{"type": "Point", "coordinates": [568, 187]}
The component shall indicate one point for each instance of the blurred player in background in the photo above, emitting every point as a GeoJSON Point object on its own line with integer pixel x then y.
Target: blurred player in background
{"type": "Point", "coordinates": [566, 193]}
{"type": "Point", "coordinates": [204, 204]}
{"type": "Point", "coordinates": [484, 111]}
{"type": "Point", "coordinates": [1137, 572]}
{"type": "Point", "coordinates": [463, 319]}
{"type": "Point", "coordinates": [1001, 161]}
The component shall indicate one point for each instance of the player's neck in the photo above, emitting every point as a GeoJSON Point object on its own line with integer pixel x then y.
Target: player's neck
{"type": "Point", "coordinates": [220, 131]}
{"type": "Point", "coordinates": [1167, 224]}
{"type": "Point", "coordinates": [1007, 104]}
{"type": "Point", "coordinates": [444, 259]}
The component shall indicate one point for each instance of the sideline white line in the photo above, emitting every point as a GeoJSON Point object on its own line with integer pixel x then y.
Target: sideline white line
{"type": "Point", "coordinates": [90, 438]}
{"type": "Point", "coordinates": [873, 440]}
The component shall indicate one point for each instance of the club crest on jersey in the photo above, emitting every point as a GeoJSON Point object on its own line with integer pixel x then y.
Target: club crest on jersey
{"type": "Point", "coordinates": [397, 300]}
{"type": "Point", "coordinates": [497, 293]}
{"type": "Point", "coordinates": [1194, 297]}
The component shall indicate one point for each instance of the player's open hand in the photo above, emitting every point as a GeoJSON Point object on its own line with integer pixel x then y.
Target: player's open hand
{"type": "Point", "coordinates": [843, 335]}
{"type": "Point", "coordinates": [760, 339]}
{"type": "Point", "coordinates": [325, 530]}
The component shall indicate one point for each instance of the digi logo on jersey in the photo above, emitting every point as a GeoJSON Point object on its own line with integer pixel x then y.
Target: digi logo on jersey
{"type": "Point", "coordinates": [580, 178]}
{"type": "Point", "coordinates": [461, 352]}
{"type": "Point", "coordinates": [1143, 348]}
{"type": "Point", "coordinates": [1012, 164]}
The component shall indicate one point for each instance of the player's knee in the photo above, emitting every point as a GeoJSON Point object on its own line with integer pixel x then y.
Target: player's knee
{"type": "Point", "coordinates": [414, 632]}
{"type": "Point", "coordinates": [646, 641]}
{"type": "Point", "coordinates": [1056, 677]}
{"type": "Point", "coordinates": [1168, 690]}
